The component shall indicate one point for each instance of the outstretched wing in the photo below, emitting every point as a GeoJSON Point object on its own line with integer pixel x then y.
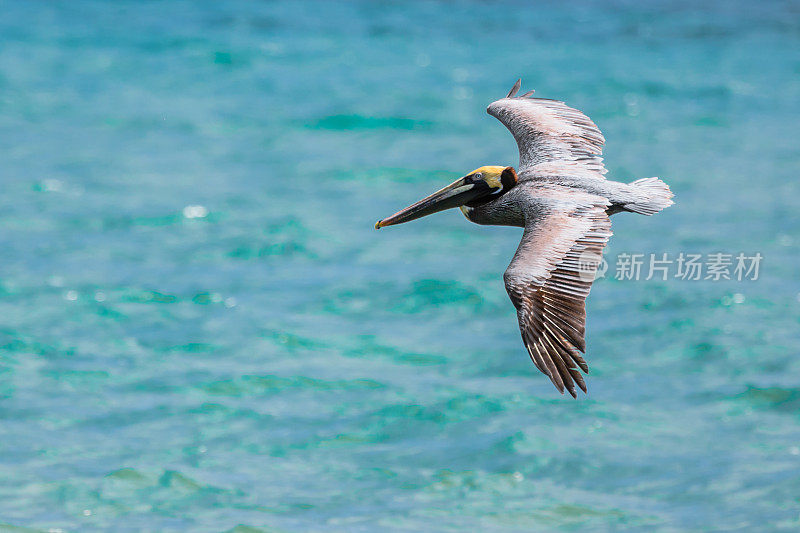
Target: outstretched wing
{"type": "Point", "coordinates": [551, 275]}
{"type": "Point", "coordinates": [553, 138]}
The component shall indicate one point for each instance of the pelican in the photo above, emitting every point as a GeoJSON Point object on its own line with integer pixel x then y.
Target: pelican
{"type": "Point", "coordinates": [559, 195]}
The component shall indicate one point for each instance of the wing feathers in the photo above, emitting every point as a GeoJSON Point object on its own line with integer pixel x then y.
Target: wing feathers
{"type": "Point", "coordinates": [551, 134]}
{"type": "Point", "coordinates": [549, 278]}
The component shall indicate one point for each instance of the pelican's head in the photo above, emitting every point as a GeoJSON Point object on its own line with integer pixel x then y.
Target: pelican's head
{"type": "Point", "coordinates": [476, 188]}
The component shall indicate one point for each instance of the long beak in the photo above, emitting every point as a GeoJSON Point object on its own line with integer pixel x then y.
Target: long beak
{"type": "Point", "coordinates": [456, 194]}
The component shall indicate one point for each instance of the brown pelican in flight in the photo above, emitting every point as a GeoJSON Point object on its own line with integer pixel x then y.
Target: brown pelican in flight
{"type": "Point", "coordinates": [559, 195]}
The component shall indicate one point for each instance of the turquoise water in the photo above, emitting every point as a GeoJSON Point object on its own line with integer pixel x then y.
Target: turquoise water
{"type": "Point", "coordinates": [201, 330]}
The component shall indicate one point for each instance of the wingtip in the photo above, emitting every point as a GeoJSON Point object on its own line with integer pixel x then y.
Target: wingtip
{"type": "Point", "coordinates": [573, 394]}
{"type": "Point", "coordinates": [558, 383]}
{"type": "Point", "coordinates": [515, 88]}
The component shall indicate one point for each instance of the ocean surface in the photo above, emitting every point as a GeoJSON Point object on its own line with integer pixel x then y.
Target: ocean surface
{"type": "Point", "coordinates": [200, 330]}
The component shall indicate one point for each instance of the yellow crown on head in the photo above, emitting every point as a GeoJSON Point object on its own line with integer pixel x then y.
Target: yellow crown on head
{"type": "Point", "coordinates": [491, 175]}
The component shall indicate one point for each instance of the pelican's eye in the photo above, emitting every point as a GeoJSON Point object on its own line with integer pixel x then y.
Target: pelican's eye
{"type": "Point", "coordinates": [478, 176]}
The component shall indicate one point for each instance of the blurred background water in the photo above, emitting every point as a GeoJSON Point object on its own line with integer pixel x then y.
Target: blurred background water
{"type": "Point", "coordinates": [200, 329]}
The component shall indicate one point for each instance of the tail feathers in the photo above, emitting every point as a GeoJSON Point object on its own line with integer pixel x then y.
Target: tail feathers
{"type": "Point", "coordinates": [652, 195]}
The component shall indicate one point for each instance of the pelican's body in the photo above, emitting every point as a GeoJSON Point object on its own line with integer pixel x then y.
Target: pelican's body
{"type": "Point", "coordinates": [559, 195]}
